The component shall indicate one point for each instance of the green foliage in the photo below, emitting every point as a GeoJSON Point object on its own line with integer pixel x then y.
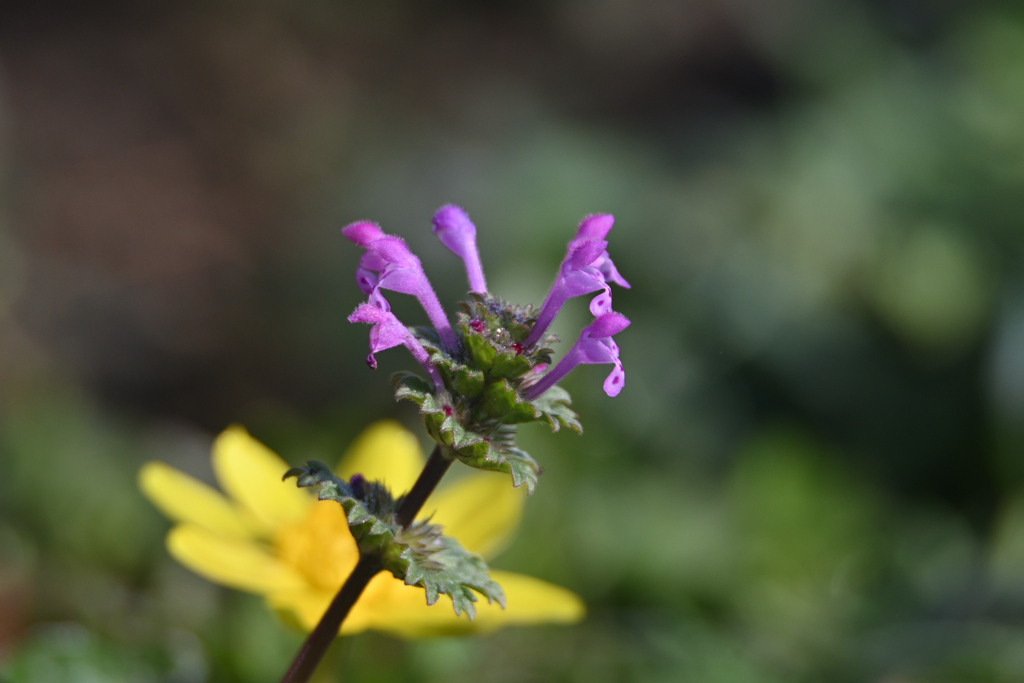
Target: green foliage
{"type": "Point", "coordinates": [68, 653]}
{"type": "Point", "coordinates": [421, 555]}
{"type": "Point", "coordinates": [553, 407]}
{"type": "Point", "coordinates": [441, 566]}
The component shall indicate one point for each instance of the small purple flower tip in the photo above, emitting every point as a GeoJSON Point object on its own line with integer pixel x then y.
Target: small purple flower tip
{"type": "Point", "coordinates": [615, 381]}
{"type": "Point", "coordinates": [586, 268]}
{"type": "Point", "coordinates": [389, 264]}
{"type": "Point", "coordinates": [453, 227]}
{"type": "Point", "coordinates": [388, 331]}
{"type": "Point", "coordinates": [607, 325]}
{"type": "Point", "coordinates": [362, 232]}
{"type": "Point", "coordinates": [602, 303]}
{"type": "Point", "coordinates": [607, 269]}
{"type": "Point", "coordinates": [595, 227]}
{"type": "Point", "coordinates": [595, 345]}
{"type": "Point", "coordinates": [394, 251]}
{"type": "Point", "coordinates": [583, 253]}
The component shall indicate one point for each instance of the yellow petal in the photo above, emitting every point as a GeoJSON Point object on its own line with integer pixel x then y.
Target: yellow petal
{"type": "Point", "coordinates": [302, 606]}
{"type": "Point", "coordinates": [307, 604]}
{"type": "Point", "coordinates": [391, 606]}
{"type": "Point", "coordinates": [239, 564]}
{"type": "Point", "coordinates": [385, 451]}
{"type": "Point", "coordinates": [387, 604]}
{"type": "Point", "coordinates": [322, 547]}
{"type": "Point", "coordinates": [251, 474]}
{"type": "Point", "coordinates": [482, 511]}
{"type": "Point", "coordinates": [531, 600]}
{"type": "Point", "coordinates": [185, 499]}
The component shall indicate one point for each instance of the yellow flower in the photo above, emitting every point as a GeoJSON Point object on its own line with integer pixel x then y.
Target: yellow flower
{"type": "Point", "coordinates": [271, 538]}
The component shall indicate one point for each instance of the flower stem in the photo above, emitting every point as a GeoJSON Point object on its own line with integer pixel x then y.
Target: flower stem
{"type": "Point", "coordinates": [321, 637]}
{"type": "Point", "coordinates": [323, 634]}
{"type": "Point", "coordinates": [413, 501]}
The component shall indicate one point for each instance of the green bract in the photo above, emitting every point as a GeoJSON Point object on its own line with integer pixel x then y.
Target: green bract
{"type": "Point", "coordinates": [419, 555]}
{"type": "Point", "coordinates": [476, 412]}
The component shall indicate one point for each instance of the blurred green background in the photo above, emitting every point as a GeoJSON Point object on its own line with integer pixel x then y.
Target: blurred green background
{"type": "Point", "coordinates": [815, 470]}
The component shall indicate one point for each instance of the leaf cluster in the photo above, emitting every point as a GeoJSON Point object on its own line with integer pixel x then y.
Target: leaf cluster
{"type": "Point", "coordinates": [420, 555]}
{"type": "Point", "coordinates": [477, 411]}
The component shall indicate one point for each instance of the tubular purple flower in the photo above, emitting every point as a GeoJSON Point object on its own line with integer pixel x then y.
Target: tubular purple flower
{"type": "Point", "coordinates": [453, 227]}
{"type": "Point", "coordinates": [388, 331]}
{"type": "Point", "coordinates": [595, 345]}
{"type": "Point", "coordinates": [597, 227]}
{"type": "Point", "coordinates": [388, 264]}
{"type": "Point", "coordinates": [362, 233]}
{"type": "Point", "coordinates": [586, 268]}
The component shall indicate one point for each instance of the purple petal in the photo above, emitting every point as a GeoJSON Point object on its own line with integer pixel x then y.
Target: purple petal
{"type": "Point", "coordinates": [615, 381]}
{"type": "Point", "coordinates": [389, 264]}
{"type": "Point", "coordinates": [403, 280]}
{"type": "Point", "coordinates": [602, 303]}
{"type": "Point", "coordinates": [606, 325]}
{"type": "Point", "coordinates": [595, 345]}
{"type": "Point", "coordinates": [388, 331]}
{"type": "Point", "coordinates": [394, 250]}
{"type": "Point", "coordinates": [583, 253]}
{"type": "Point", "coordinates": [453, 227]}
{"type": "Point", "coordinates": [576, 277]}
{"type": "Point", "coordinates": [362, 232]}
{"type": "Point", "coordinates": [595, 227]}
{"type": "Point", "coordinates": [608, 270]}
{"type": "Point", "coordinates": [367, 280]}
{"type": "Point", "coordinates": [579, 282]}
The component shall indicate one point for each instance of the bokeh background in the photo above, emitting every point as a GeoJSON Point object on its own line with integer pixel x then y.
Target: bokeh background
{"type": "Point", "coordinates": [816, 469]}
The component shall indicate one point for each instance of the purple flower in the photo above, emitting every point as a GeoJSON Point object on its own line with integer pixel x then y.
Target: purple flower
{"type": "Point", "coordinates": [388, 331]}
{"type": "Point", "coordinates": [453, 227]}
{"type": "Point", "coordinates": [388, 264]}
{"type": "Point", "coordinates": [597, 227]}
{"type": "Point", "coordinates": [595, 345]}
{"type": "Point", "coordinates": [586, 268]}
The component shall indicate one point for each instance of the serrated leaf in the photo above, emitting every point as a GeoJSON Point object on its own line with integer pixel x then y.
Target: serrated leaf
{"type": "Point", "coordinates": [512, 461]}
{"type": "Point", "coordinates": [432, 405]}
{"type": "Point", "coordinates": [465, 381]}
{"type": "Point", "coordinates": [317, 473]}
{"type": "Point", "coordinates": [480, 350]}
{"type": "Point", "coordinates": [523, 468]}
{"type": "Point", "coordinates": [500, 401]}
{"type": "Point", "coordinates": [553, 407]}
{"type": "Point", "coordinates": [510, 364]}
{"type": "Point", "coordinates": [411, 387]}
{"type": "Point", "coordinates": [441, 566]}
{"type": "Point", "coordinates": [460, 439]}
{"type": "Point", "coordinates": [474, 449]}
{"type": "Point", "coordinates": [370, 515]}
{"type": "Point", "coordinates": [419, 555]}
